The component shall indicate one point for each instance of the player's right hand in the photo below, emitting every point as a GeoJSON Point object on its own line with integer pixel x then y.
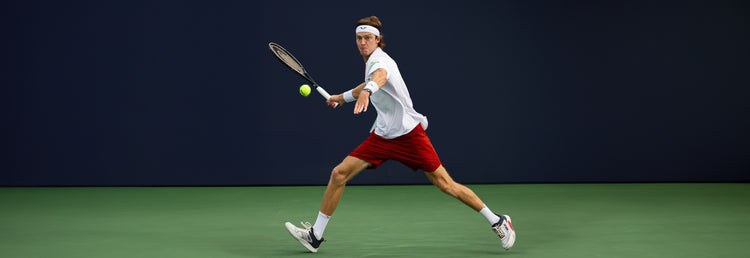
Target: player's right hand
{"type": "Point", "coordinates": [336, 99]}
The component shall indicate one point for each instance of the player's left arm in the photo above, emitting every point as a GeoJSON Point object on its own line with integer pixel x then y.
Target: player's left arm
{"type": "Point", "coordinates": [380, 76]}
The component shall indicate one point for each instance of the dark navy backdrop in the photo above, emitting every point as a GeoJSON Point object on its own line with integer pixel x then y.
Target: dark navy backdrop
{"type": "Point", "coordinates": [186, 92]}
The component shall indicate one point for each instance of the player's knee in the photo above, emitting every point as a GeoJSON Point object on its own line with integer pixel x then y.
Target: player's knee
{"type": "Point", "coordinates": [339, 175]}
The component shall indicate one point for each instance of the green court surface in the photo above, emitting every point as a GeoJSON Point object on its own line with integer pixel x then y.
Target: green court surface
{"type": "Point", "coordinates": [551, 220]}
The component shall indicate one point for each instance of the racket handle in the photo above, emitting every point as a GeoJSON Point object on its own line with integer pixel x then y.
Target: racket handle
{"type": "Point", "coordinates": [325, 94]}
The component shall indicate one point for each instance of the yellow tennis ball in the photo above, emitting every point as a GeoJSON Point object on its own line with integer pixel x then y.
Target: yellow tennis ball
{"type": "Point", "coordinates": [304, 90]}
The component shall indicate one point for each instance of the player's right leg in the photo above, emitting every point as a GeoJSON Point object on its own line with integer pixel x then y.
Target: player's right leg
{"type": "Point", "coordinates": [350, 167]}
{"type": "Point", "coordinates": [311, 236]}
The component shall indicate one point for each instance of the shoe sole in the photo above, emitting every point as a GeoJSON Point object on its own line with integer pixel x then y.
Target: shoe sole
{"type": "Point", "coordinates": [292, 229]}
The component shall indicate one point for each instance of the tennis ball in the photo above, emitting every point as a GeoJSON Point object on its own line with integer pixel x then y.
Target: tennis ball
{"type": "Point", "coordinates": [304, 90]}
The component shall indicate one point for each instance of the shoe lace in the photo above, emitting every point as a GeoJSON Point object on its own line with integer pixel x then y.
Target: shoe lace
{"type": "Point", "coordinates": [498, 229]}
{"type": "Point", "coordinates": [307, 225]}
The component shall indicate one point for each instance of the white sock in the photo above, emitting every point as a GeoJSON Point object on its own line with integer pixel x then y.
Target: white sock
{"type": "Point", "coordinates": [491, 217]}
{"type": "Point", "coordinates": [320, 225]}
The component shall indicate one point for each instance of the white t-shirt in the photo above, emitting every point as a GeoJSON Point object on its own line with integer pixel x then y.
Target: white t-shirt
{"type": "Point", "coordinates": [396, 114]}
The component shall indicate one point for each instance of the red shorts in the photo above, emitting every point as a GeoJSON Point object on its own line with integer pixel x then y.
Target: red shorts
{"type": "Point", "coordinates": [413, 149]}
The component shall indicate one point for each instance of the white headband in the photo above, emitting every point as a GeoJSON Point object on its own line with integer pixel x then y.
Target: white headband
{"type": "Point", "coordinates": [368, 28]}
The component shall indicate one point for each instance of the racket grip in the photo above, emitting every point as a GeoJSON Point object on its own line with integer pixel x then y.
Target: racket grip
{"type": "Point", "coordinates": [325, 94]}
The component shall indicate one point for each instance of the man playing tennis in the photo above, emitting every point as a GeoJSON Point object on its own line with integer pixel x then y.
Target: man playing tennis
{"type": "Point", "coordinates": [398, 135]}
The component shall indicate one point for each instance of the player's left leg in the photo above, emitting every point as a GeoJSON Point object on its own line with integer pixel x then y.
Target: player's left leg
{"type": "Point", "coordinates": [445, 183]}
{"type": "Point", "coordinates": [500, 224]}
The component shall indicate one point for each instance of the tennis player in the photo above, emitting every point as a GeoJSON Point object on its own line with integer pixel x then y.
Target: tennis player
{"type": "Point", "coordinates": [398, 134]}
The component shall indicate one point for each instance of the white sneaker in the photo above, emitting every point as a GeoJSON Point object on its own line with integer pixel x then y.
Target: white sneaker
{"type": "Point", "coordinates": [304, 236]}
{"type": "Point", "coordinates": [504, 230]}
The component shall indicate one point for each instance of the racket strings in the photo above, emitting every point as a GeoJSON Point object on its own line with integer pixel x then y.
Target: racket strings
{"type": "Point", "coordinates": [288, 59]}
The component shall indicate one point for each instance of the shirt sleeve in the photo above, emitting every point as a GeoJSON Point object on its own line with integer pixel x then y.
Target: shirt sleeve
{"type": "Point", "coordinates": [375, 64]}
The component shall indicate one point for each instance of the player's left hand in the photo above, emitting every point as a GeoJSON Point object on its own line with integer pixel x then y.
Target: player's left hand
{"type": "Point", "coordinates": [363, 100]}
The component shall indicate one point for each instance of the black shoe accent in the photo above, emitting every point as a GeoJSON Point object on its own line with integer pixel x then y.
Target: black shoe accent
{"type": "Point", "coordinates": [315, 242]}
{"type": "Point", "coordinates": [502, 218]}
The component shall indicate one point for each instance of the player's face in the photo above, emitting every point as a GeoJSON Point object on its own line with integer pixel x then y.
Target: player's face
{"type": "Point", "coordinates": [367, 43]}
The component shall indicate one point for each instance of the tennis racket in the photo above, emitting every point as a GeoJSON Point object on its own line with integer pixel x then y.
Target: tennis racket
{"type": "Point", "coordinates": [288, 59]}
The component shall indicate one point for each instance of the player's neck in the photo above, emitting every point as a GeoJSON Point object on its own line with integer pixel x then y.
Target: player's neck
{"type": "Point", "coordinates": [367, 57]}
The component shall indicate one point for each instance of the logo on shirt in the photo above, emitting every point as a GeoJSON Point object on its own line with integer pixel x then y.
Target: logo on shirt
{"type": "Point", "coordinates": [373, 63]}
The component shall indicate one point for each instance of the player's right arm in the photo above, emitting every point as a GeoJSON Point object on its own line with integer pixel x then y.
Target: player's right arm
{"type": "Point", "coordinates": [340, 97]}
